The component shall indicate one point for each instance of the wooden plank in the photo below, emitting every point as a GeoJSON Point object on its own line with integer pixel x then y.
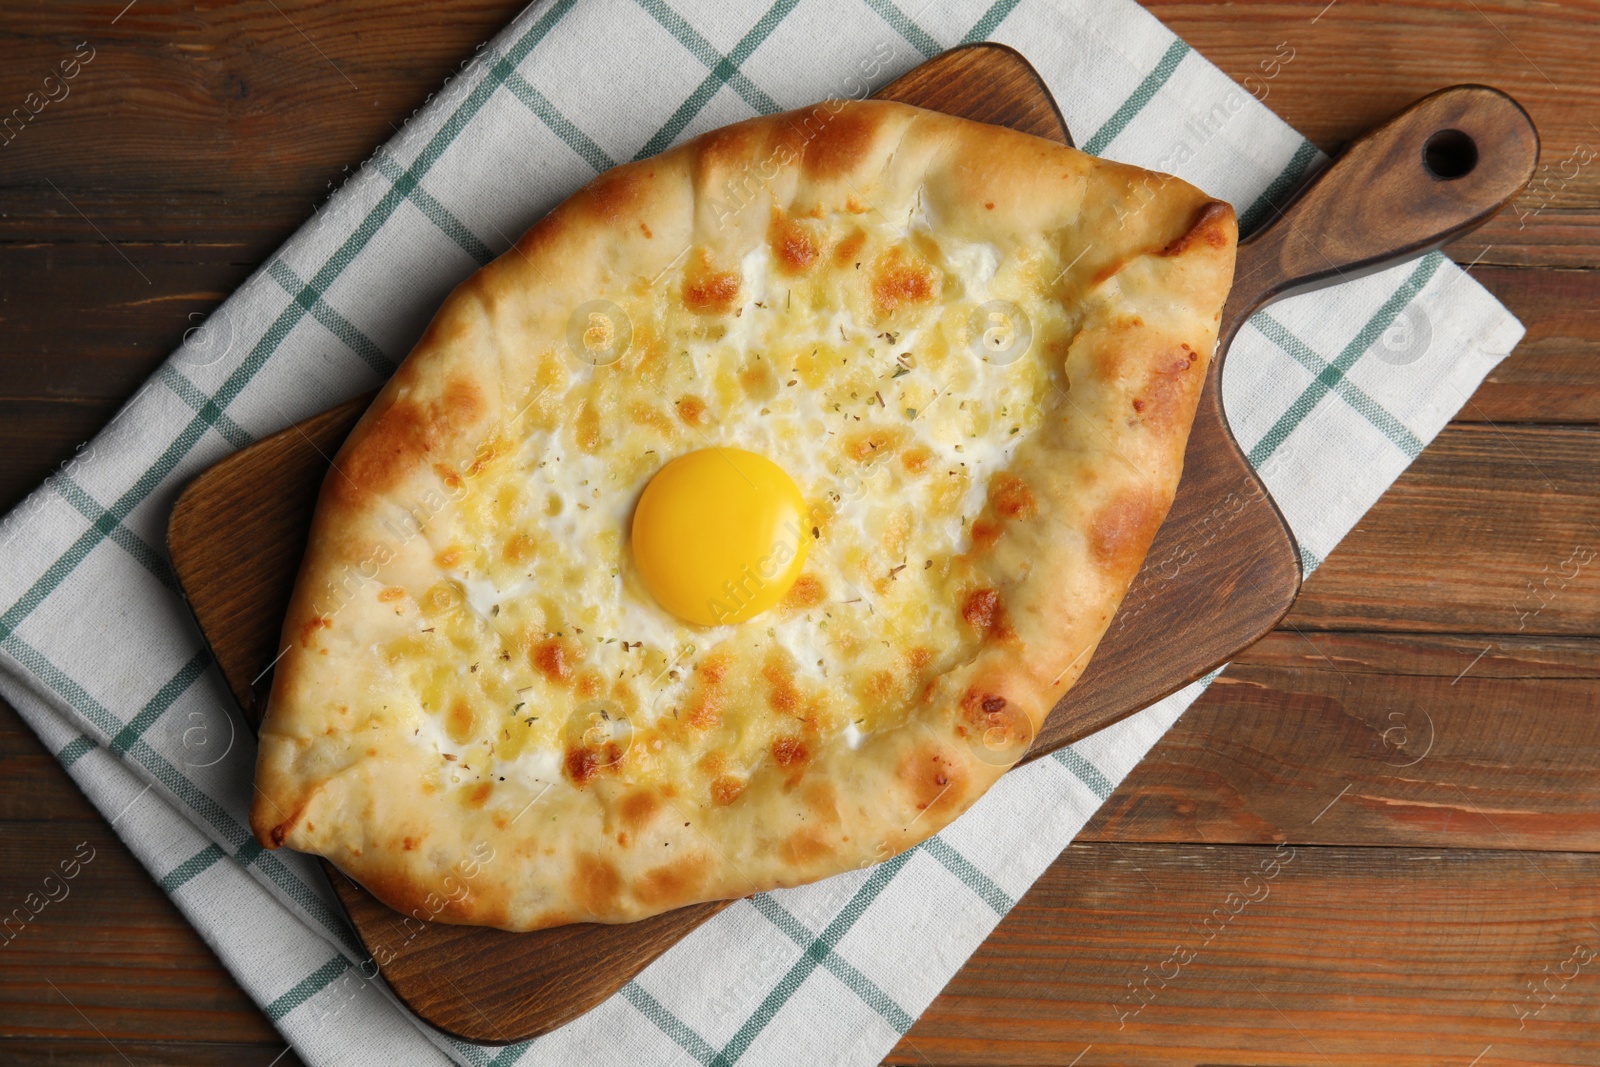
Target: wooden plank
{"type": "Point", "coordinates": [72, 1052]}
{"type": "Point", "coordinates": [1493, 530]}
{"type": "Point", "coordinates": [1356, 62]}
{"type": "Point", "coordinates": [135, 312]}
{"type": "Point", "coordinates": [244, 76]}
{"type": "Point", "coordinates": [36, 788]}
{"type": "Point", "coordinates": [111, 942]}
{"type": "Point", "coordinates": [38, 436]}
{"type": "Point", "coordinates": [1554, 374]}
{"type": "Point", "coordinates": [1335, 956]}
{"type": "Point", "coordinates": [1555, 237]}
{"type": "Point", "coordinates": [222, 103]}
{"type": "Point", "coordinates": [1363, 739]}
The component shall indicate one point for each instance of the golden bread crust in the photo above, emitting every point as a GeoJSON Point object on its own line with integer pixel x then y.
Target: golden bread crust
{"type": "Point", "coordinates": [426, 726]}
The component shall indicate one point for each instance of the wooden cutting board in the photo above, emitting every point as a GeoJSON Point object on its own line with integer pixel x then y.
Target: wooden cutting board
{"type": "Point", "coordinates": [1222, 571]}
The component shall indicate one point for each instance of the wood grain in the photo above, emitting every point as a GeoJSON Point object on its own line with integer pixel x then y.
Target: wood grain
{"type": "Point", "coordinates": [96, 1052]}
{"type": "Point", "coordinates": [1359, 61]}
{"type": "Point", "coordinates": [1406, 732]}
{"type": "Point", "coordinates": [147, 976]}
{"type": "Point", "coordinates": [1349, 957]}
{"type": "Point", "coordinates": [1561, 347]}
{"type": "Point", "coordinates": [222, 179]}
{"type": "Point", "coordinates": [1493, 530]}
{"type": "Point", "coordinates": [33, 439]}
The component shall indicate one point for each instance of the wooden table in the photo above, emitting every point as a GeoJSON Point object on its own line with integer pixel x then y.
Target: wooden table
{"type": "Point", "coordinates": [1418, 746]}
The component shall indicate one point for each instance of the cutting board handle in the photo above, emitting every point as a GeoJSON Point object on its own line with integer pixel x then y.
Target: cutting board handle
{"type": "Point", "coordinates": [1437, 170]}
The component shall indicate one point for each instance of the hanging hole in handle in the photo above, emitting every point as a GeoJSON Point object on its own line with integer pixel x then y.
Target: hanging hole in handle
{"type": "Point", "coordinates": [1449, 154]}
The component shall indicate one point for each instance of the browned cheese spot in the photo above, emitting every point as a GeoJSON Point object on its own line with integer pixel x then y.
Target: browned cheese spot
{"type": "Point", "coordinates": [757, 379]}
{"type": "Point", "coordinates": [705, 710]}
{"type": "Point", "coordinates": [460, 721]}
{"type": "Point", "coordinates": [486, 454]}
{"type": "Point", "coordinates": [519, 548]}
{"type": "Point", "coordinates": [392, 594]}
{"type": "Point", "coordinates": [897, 281]}
{"type": "Point", "coordinates": [709, 291]}
{"type": "Point", "coordinates": [441, 596]}
{"type": "Point", "coordinates": [865, 444]}
{"type": "Point", "coordinates": [452, 481]}
{"type": "Point", "coordinates": [792, 246]}
{"type": "Point", "coordinates": [309, 628]}
{"type": "Point", "coordinates": [879, 687]}
{"type": "Point", "coordinates": [1011, 497]}
{"type": "Point", "coordinates": [806, 592]}
{"type": "Point", "coordinates": [583, 762]}
{"type": "Point", "coordinates": [586, 428]}
{"type": "Point", "coordinates": [713, 669]}
{"type": "Point", "coordinates": [555, 658]}
{"type": "Point", "coordinates": [704, 707]}
{"type": "Point", "coordinates": [692, 410]}
{"type": "Point", "coordinates": [916, 460]}
{"type": "Point", "coordinates": [644, 414]}
{"type": "Point", "coordinates": [725, 789]}
{"type": "Point", "coordinates": [790, 752]}
{"type": "Point", "coordinates": [984, 534]}
{"type": "Point", "coordinates": [849, 248]}
{"type": "Point", "coordinates": [985, 612]}
{"type": "Point", "coordinates": [782, 696]}
{"type": "Point", "coordinates": [478, 795]}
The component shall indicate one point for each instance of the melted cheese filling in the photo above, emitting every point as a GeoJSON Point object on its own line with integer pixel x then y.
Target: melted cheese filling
{"type": "Point", "coordinates": [539, 657]}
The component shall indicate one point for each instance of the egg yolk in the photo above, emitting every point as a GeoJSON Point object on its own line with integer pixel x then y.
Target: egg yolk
{"type": "Point", "coordinates": [719, 535]}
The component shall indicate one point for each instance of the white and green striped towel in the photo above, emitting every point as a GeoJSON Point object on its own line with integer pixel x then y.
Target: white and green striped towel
{"type": "Point", "coordinates": [1333, 394]}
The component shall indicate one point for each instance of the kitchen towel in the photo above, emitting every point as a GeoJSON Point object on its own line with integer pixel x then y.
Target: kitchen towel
{"type": "Point", "coordinates": [1333, 394]}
